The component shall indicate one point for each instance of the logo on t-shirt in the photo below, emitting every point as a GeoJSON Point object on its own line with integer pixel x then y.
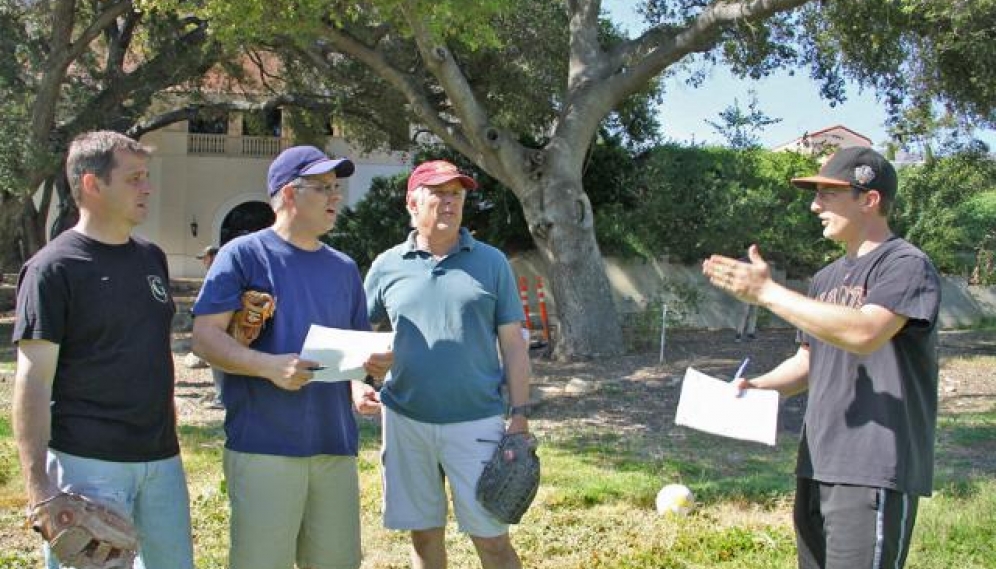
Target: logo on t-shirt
{"type": "Point", "coordinates": [844, 295]}
{"type": "Point", "coordinates": [158, 288]}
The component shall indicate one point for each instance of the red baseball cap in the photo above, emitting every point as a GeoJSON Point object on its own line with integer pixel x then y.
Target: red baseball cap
{"type": "Point", "coordinates": [436, 172]}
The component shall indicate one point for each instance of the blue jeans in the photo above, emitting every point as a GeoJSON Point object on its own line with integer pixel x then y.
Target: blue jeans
{"type": "Point", "coordinates": [153, 493]}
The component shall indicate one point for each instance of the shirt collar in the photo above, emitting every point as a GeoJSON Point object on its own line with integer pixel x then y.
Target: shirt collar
{"type": "Point", "coordinates": [466, 243]}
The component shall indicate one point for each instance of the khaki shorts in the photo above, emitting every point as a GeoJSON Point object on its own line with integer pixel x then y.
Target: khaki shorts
{"type": "Point", "coordinates": [293, 509]}
{"type": "Point", "coordinates": [419, 458]}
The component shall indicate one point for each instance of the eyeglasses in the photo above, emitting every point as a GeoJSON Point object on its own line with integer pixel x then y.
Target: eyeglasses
{"type": "Point", "coordinates": [328, 190]}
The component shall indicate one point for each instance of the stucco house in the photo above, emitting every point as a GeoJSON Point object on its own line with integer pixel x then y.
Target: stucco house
{"type": "Point", "coordinates": [827, 139]}
{"type": "Point", "coordinates": [209, 173]}
{"type": "Point", "coordinates": [211, 187]}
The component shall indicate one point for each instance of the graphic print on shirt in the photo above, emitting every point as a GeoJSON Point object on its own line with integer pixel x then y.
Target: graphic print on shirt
{"type": "Point", "coordinates": [844, 295]}
{"type": "Point", "coordinates": [158, 288]}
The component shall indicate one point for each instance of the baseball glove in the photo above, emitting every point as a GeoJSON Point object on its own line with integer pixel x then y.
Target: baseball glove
{"type": "Point", "coordinates": [85, 534]}
{"type": "Point", "coordinates": [248, 321]}
{"type": "Point", "coordinates": [511, 478]}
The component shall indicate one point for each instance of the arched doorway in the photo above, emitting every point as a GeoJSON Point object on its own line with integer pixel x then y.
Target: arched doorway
{"type": "Point", "coordinates": [245, 218]}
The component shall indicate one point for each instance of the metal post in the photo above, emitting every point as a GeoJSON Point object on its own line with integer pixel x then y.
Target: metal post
{"type": "Point", "coordinates": [663, 330]}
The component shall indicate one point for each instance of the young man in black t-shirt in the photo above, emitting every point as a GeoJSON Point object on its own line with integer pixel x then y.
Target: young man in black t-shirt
{"type": "Point", "coordinates": [868, 358]}
{"type": "Point", "coordinates": [93, 396]}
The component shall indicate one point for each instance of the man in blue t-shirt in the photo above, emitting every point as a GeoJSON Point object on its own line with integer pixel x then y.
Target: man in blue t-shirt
{"type": "Point", "coordinates": [291, 445]}
{"type": "Point", "coordinates": [868, 360]}
{"type": "Point", "coordinates": [453, 305]}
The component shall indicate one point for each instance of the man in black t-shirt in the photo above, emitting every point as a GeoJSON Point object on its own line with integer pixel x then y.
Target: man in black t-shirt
{"type": "Point", "coordinates": [93, 395]}
{"type": "Point", "coordinates": [868, 358]}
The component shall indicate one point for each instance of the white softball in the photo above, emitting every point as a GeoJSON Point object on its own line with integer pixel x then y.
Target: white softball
{"type": "Point", "coordinates": [675, 499]}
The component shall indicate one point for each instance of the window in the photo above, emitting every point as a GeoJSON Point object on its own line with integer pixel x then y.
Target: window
{"type": "Point", "coordinates": [262, 123]}
{"type": "Point", "coordinates": [208, 122]}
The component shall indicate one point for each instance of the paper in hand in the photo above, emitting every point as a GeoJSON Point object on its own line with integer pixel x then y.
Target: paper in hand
{"type": "Point", "coordinates": [713, 406]}
{"type": "Point", "coordinates": [342, 352]}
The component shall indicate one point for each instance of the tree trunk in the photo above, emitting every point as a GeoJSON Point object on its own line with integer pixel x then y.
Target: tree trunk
{"type": "Point", "coordinates": [11, 245]}
{"type": "Point", "coordinates": [561, 223]}
{"type": "Point", "coordinates": [32, 228]}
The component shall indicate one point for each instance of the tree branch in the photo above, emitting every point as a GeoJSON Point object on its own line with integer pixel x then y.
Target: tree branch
{"type": "Point", "coordinates": [586, 56]}
{"type": "Point", "coordinates": [186, 60]}
{"type": "Point", "coordinates": [645, 57]}
{"type": "Point", "coordinates": [405, 83]}
{"type": "Point", "coordinates": [62, 53]}
{"type": "Point", "coordinates": [474, 120]}
{"type": "Point", "coordinates": [111, 11]}
{"type": "Point", "coordinates": [188, 112]}
{"type": "Point", "coordinates": [119, 40]}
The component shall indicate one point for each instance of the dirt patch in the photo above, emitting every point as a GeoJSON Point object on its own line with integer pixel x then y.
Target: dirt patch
{"type": "Point", "coordinates": [639, 391]}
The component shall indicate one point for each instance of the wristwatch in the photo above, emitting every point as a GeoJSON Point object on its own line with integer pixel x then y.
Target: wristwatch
{"type": "Point", "coordinates": [520, 410]}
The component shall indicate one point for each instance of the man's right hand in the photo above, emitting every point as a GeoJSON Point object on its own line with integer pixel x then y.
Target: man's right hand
{"type": "Point", "coordinates": [289, 371]}
{"type": "Point", "coordinates": [742, 384]}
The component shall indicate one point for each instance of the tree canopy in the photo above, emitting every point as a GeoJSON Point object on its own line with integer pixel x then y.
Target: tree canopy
{"type": "Point", "coordinates": [70, 66]}
{"type": "Point", "coordinates": [522, 88]}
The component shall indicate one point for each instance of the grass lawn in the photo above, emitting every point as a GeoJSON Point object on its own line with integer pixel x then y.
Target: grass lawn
{"type": "Point", "coordinates": [595, 507]}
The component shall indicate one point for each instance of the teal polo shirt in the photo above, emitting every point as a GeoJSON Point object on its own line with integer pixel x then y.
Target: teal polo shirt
{"type": "Point", "coordinates": [445, 315]}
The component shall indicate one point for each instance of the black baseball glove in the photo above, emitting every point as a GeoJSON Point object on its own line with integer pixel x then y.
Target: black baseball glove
{"type": "Point", "coordinates": [511, 478]}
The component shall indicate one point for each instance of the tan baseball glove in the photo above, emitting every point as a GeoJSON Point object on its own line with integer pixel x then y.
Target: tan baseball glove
{"type": "Point", "coordinates": [85, 534]}
{"type": "Point", "coordinates": [248, 321]}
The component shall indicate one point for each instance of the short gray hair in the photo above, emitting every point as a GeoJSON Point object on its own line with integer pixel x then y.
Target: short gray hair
{"type": "Point", "coordinates": [277, 199]}
{"type": "Point", "coordinates": [93, 152]}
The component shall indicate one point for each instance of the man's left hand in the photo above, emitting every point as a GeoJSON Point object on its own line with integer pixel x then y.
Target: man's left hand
{"type": "Point", "coordinates": [517, 424]}
{"type": "Point", "coordinates": [746, 281]}
{"type": "Point", "coordinates": [377, 365]}
{"type": "Point", "coordinates": [366, 399]}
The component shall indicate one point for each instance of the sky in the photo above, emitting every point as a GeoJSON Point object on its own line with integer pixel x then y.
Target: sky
{"type": "Point", "coordinates": [792, 98]}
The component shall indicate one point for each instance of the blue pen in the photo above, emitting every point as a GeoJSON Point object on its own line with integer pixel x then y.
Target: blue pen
{"type": "Point", "coordinates": [740, 370]}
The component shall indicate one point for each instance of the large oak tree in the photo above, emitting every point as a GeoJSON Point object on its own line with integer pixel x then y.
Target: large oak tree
{"type": "Point", "coordinates": [520, 87]}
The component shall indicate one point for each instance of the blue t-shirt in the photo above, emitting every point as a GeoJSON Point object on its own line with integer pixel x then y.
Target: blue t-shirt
{"type": "Point", "coordinates": [445, 314]}
{"type": "Point", "coordinates": [310, 287]}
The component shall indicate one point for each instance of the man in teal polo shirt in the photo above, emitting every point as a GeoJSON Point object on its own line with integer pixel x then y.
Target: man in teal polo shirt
{"type": "Point", "coordinates": [453, 305]}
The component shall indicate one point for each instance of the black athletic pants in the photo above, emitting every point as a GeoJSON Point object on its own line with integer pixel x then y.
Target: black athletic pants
{"type": "Point", "coordinates": [852, 527]}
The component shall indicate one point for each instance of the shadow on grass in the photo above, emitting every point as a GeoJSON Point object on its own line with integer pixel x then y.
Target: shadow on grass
{"type": "Point", "coordinates": [593, 466]}
{"type": "Point", "coordinates": [715, 469]}
{"type": "Point", "coordinates": [966, 452]}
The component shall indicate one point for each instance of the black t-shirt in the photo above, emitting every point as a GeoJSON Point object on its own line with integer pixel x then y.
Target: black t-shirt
{"type": "Point", "coordinates": [870, 420]}
{"type": "Point", "coordinates": [109, 309]}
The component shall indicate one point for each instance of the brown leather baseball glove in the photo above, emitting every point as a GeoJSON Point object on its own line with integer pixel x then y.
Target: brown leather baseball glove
{"type": "Point", "coordinates": [248, 321]}
{"type": "Point", "coordinates": [85, 534]}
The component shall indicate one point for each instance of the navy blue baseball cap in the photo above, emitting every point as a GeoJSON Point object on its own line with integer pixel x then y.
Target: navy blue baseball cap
{"type": "Point", "coordinates": [299, 161]}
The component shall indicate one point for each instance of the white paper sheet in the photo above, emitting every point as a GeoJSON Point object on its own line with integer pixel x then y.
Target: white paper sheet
{"type": "Point", "coordinates": [342, 352]}
{"type": "Point", "coordinates": [712, 405]}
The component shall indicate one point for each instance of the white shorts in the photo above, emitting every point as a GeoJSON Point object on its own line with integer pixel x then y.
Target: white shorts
{"type": "Point", "coordinates": [418, 458]}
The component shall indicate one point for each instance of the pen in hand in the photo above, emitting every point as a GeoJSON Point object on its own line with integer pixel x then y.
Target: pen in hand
{"type": "Point", "coordinates": [317, 368]}
{"type": "Point", "coordinates": [740, 370]}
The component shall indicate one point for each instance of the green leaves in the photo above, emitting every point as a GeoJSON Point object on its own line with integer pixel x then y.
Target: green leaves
{"type": "Point", "coordinates": [947, 207]}
{"type": "Point", "coordinates": [690, 202]}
